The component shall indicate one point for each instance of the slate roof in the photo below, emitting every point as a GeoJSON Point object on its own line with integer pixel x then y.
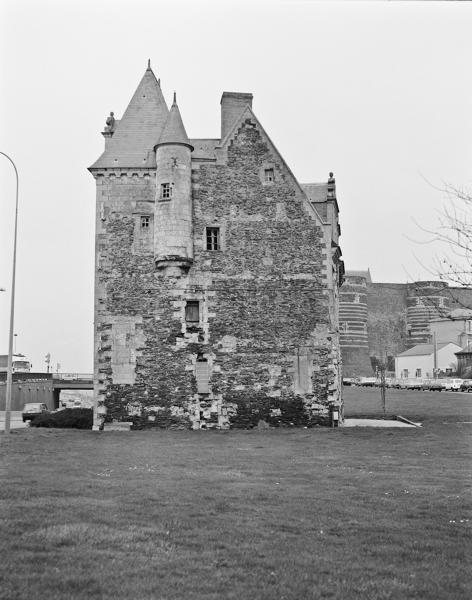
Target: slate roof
{"type": "Point", "coordinates": [316, 192]}
{"type": "Point", "coordinates": [139, 129]}
{"type": "Point", "coordinates": [174, 130]}
{"type": "Point", "coordinates": [204, 148]}
{"type": "Point", "coordinates": [460, 314]}
{"type": "Point", "coordinates": [423, 349]}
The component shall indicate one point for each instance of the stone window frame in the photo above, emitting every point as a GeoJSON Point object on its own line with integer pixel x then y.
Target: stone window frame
{"type": "Point", "coordinates": [222, 237]}
{"type": "Point", "coordinates": [263, 173]}
{"type": "Point", "coordinates": [202, 359]}
{"type": "Point", "coordinates": [192, 302]}
{"type": "Point", "coordinates": [213, 239]}
{"type": "Point", "coordinates": [145, 223]}
{"type": "Point", "coordinates": [165, 191]}
{"type": "Point", "coordinates": [189, 326]}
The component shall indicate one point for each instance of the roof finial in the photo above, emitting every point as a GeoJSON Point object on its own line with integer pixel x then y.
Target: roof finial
{"type": "Point", "coordinates": [175, 98]}
{"type": "Point", "coordinates": [149, 63]}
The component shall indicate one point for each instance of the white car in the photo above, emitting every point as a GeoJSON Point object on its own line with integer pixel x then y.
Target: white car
{"type": "Point", "coordinates": [453, 385]}
{"type": "Point", "coordinates": [32, 410]}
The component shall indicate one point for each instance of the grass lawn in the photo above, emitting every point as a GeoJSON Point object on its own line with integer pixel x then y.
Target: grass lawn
{"type": "Point", "coordinates": [357, 513]}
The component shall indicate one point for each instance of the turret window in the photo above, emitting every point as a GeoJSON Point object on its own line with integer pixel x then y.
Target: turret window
{"type": "Point", "coordinates": [166, 191]}
{"type": "Point", "coordinates": [213, 238]}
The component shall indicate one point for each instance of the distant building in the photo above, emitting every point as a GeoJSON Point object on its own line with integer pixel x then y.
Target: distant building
{"type": "Point", "coordinates": [419, 360]}
{"type": "Point", "coordinates": [378, 321]}
{"type": "Point", "coordinates": [464, 363]}
{"type": "Point", "coordinates": [217, 274]}
{"type": "Point", "coordinates": [455, 327]}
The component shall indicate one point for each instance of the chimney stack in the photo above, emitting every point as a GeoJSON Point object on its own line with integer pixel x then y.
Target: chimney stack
{"type": "Point", "coordinates": [232, 105]}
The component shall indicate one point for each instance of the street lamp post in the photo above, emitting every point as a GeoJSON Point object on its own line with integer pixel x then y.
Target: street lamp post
{"type": "Point", "coordinates": [12, 312]}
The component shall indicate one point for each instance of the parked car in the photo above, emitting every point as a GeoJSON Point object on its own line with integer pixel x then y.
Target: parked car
{"type": "Point", "coordinates": [453, 384]}
{"type": "Point", "coordinates": [348, 381]}
{"type": "Point", "coordinates": [466, 385]}
{"type": "Point", "coordinates": [426, 385]}
{"type": "Point", "coordinates": [32, 410]}
{"type": "Point", "coordinates": [414, 384]}
{"type": "Point", "coordinates": [438, 385]}
{"type": "Point", "coordinates": [367, 381]}
{"type": "Point", "coordinates": [401, 383]}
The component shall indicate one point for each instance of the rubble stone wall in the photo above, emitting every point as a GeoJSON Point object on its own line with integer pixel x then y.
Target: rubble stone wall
{"type": "Point", "coordinates": [266, 334]}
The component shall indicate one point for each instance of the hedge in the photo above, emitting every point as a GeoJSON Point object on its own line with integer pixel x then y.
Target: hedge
{"type": "Point", "coordinates": [69, 418]}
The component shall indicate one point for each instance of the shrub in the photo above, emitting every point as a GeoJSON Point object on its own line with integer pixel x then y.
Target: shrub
{"type": "Point", "coordinates": [69, 418]}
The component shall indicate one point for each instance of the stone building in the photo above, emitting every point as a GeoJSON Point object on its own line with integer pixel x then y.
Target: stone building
{"type": "Point", "coordinates": [378, 321]}
{"type": "Point", "coordinates": [217, 275]}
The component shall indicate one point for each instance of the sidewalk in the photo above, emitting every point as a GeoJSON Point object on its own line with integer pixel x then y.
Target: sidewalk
{"type": "Point", "coordinates": [16, 421]}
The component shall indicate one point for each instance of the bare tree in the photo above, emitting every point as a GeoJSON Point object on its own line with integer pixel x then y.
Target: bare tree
{"type": "Point", "coordinates": [455, 232]}
{"type": "Point", "coordinates": [453, 263]}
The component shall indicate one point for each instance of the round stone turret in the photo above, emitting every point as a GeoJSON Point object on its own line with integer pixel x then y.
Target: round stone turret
{"type": "Point", "coordinates": [173, 233]}
{"type": "Point", "coordinates": [353, 324]}
{"type": "Point", "coordinates": [426, 300]}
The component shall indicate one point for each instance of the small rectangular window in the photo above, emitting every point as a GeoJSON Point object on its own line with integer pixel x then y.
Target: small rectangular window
{"type": "Point", "coordinates": [269, 175]}
{"type": "Point", "coordinates": [213, 238]}
{"type": "Point", "coordinates": [202, 375]}
{"type": "Point", "coordinates": [166, 191]}
{"type": "Point", "coordinates": [192, 311]}
{"type": "Point", "coordinates": [145, 221]}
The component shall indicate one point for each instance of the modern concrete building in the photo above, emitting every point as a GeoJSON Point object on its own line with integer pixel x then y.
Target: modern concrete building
{"type": "Point", "coordinates": [217, 274]}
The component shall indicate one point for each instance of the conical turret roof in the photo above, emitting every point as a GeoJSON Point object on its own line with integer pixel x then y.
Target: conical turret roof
{"type": "Point", "coordinates": [174, 130]}
{"type": "Point", "coordinates": [132, 143]}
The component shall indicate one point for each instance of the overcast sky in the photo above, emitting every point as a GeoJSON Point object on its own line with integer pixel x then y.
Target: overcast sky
{"type": "Point", "coordinates": [378, 92]}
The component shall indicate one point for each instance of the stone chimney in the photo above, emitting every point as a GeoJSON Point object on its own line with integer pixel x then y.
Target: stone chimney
{"type": "Point", "coordinates": [232, 105]}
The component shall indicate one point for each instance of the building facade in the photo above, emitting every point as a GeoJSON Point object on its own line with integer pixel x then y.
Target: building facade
{"type": "Point", "coordinates": [217, 275]}
{"type": "Point", "coordinates": [379, 321]}
{"type": "Point", "coordinates": [455, 327]}
{"type": "Point", "coordinates": [424, 360]}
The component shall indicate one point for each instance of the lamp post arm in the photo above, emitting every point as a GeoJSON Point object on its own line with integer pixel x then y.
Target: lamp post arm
{"type": "Point", "coordinates": [12, 310]}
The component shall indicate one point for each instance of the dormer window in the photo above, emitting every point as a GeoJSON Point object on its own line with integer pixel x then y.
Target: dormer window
{"type": "Point", "coordinates": [166, 191]}
{"type": "Point", "coordinates": [269, 175]}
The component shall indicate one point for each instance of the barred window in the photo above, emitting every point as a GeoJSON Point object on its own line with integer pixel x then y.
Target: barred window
{"type": "Point", "coordinates": [213, 238]}
{"type": "Point", "coordinates": [269, 175]}
{"type": "Point", "coordinates": [166, 191]}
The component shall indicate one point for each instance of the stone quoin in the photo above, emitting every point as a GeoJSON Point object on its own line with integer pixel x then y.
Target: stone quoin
{"type": "Point", "coordinates": [217, 275]}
